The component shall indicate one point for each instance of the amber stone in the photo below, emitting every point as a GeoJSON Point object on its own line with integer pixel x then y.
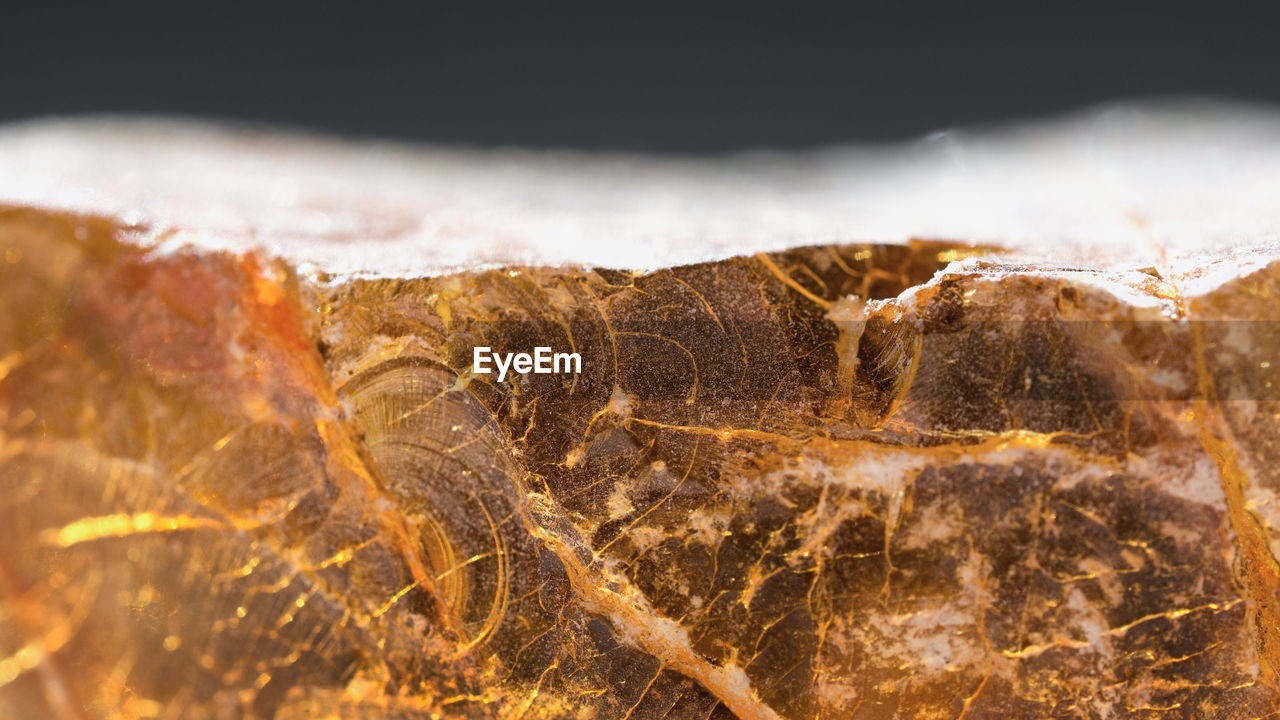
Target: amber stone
{"type": "Point", "coordinates": [247, 469]}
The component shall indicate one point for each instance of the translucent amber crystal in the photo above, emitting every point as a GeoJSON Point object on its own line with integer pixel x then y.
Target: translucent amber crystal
{"type": "Point", "coordinates": [841, 480]}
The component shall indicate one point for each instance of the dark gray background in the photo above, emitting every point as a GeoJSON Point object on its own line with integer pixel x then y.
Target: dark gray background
{"type": "Point", "coordinates": [651, 76]}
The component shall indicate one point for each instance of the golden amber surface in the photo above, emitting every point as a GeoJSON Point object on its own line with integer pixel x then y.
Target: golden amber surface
{"type": "Point", "coordinates": [919, 479]}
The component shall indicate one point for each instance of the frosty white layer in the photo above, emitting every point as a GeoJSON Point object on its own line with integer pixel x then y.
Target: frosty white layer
{"type": "Point", "coordinates": [1135, 185]}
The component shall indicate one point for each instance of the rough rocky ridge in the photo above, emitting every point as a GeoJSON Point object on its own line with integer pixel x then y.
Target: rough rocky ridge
{"type": "Point", "coordinates": [913, 478]}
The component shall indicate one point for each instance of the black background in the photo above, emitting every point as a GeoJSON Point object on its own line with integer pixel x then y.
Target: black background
{"type": "Point", "coordinates": [649, 76]}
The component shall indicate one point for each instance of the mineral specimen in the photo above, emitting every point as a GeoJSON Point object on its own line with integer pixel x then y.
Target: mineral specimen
{"type": "Point", "coordinates": [808, 467]}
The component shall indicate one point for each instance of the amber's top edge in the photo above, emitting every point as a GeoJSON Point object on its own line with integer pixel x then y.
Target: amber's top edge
{"type": "Point", "coordinates": [1126, 186]}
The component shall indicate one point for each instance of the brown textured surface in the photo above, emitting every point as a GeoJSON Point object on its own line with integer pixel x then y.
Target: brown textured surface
{"type": "Point", "coordinates": [1004, 491]}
